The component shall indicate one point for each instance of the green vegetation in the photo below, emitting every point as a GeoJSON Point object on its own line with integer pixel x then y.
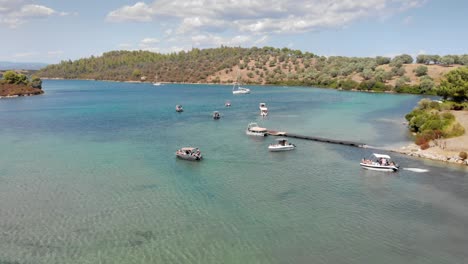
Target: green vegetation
{"type": "Point", "coordinates": [11, 77]}
{"type": "Point", "coordinates": [455, 85]}
{"type": "Point", "coordinates": [429, 121]}
{"type": "Point", "coordinates": [420, 71]}
{"type": "Point", "coordinates": [265, 65]}
{"type": "Point", "coordinates": [18, 84]}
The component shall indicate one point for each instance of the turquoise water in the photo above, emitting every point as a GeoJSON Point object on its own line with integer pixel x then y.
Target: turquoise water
{"type": "Point", "coordinates": [88, 175]}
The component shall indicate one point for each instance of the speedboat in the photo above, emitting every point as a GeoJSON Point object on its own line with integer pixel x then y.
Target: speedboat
{"type": "Point", "coordinates": [254, 130]}
{"type": "Point", "coordinates": [189, 153]}
{"type": "Point", "coordinates": [216, 115]}
{"type": "Point", "coordinates": [282, 145]}
{"type": "Point", "coordinates": [379, 162]}
{"type": "Point", "coordinates": [237, 89]}
{"type": "Point", "coordinates": [157, 84]}
{"type": "Point", "coordinates": [263, 109]}
{"type": "Point", "coordinates": [227, 104]}
{"type": "Point", "coordinates": [179, 108]}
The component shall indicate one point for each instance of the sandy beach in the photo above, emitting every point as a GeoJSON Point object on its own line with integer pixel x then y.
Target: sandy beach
{"type": "Point", "coordinates": [444, 149]}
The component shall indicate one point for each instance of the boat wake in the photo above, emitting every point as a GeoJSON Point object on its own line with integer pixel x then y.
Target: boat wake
{"type": "Point", "coordinates": [416, 170]}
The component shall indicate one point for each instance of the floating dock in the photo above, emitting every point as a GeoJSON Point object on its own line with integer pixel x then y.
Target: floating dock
{"type": "Point", "coordinates": [319, 139]}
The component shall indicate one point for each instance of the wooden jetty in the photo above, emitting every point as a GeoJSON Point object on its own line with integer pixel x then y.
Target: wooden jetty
{"type": "Point", "coordinates": [319, 139]}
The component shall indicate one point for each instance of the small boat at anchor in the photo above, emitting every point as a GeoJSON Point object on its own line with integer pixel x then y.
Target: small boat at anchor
{"type": "Point", "coordinates": [157, 84]}
{"type": "Point", "coordinates": [227, 104]}
{"type": "Point", "coordinates": [379, 162]}
{"type": "Point", "coordinates": [179, 108]}
{"type": "Point", "coordinates": [263, 109]}
{"type": "Point", "coordinates": [216, 115]}
{"type": "Point", "coordinates": [189, 153]}
{"type": "Point", "coordinates": [281, 145]}
{"type": "Point", "coordinates": [237, 89]}
{"type": "Point", "coordinates": [254, 130]}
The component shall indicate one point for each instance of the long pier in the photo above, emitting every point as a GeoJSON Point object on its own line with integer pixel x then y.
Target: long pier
{"type": "Point", "coordinates": [319, 139]}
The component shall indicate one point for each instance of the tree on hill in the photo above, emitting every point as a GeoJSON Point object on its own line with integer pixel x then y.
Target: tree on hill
{"type": "Point", "coordinates": [421, 70]}
{"type": "Point", "coordinates": [403, 58]}
{"type": "Point", "coordinates": [12, 77]}
{"type": "Point", "coordinates": [455, 85]}
{"type": "Point", "coordinates": [447, 60]}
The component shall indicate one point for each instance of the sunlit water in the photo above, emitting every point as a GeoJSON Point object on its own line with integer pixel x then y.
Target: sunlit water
{"type": "Point", "coordinates": [88, 175]}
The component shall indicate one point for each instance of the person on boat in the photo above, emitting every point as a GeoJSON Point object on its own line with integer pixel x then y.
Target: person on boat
{"type": "Point", "coordinates": [383, 162]}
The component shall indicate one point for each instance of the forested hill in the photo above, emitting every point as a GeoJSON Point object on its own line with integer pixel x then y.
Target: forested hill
{"type": "Point", "coordinates": [265, 65]}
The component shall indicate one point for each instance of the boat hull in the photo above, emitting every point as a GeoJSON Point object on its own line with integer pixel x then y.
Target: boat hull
{"type": "Point", "coordinates": [257, 134]}
{"type": "Point", "coordinates": [189, 157]}
{"type": "Point", "coordinates": [274, 148]}
{"type": "Point", "coordinates": [379, 167]}
{"type": "Point", "coordinates": [240, 92]}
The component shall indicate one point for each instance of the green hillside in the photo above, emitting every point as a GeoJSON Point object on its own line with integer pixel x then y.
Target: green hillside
{"type": "Point", "coordinates": [265, 65]}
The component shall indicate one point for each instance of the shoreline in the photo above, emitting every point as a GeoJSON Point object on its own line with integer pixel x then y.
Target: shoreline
{"type": "Point", "coordinates": [446, 150]}
{"type": "Point", "coordinates": [433, 153]}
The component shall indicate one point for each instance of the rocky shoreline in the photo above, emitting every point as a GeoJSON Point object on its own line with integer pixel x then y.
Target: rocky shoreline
{"type": "Point", "coordinates": [14, 90]}
{"type": "Point", "coordinates": [434, 153]}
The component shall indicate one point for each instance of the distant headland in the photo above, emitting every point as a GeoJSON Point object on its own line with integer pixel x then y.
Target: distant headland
{"type": "Point", "coordinates": [14, 84]}
{"type": "Point", "coordinates": [265, 66]}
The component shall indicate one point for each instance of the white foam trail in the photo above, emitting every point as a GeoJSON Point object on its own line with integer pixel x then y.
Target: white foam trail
{"type": "Point", "coordinates": [416, 170]}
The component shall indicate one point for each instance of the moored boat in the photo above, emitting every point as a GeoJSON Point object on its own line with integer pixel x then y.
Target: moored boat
{"type": "Point", "coordinates": [254, 130]}
{"type": "Point", "coordinates": [379, 162]}
{"type": "Point", "coordinates": [263, 109]}
{"type": "Point", "coordinates": [216, 115]}
{"type": "Point", "coordinates": [227, 104]}
{"type": "Point", "coordinates": [237, 89]}
{"type": "Point", "coordinates": [281, 145]}
{"type": "Point", "coordinates": [179, 108]}
{"type": "Point", "coordinates": [189, 153]}
{"type": "Point", "coordinates": [157, 84]}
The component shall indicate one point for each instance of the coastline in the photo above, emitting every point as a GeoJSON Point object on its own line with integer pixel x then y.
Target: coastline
{"type": "Point", "coordinates": [445, 150]}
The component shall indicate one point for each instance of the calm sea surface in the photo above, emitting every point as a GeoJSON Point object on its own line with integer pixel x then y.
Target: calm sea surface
{"type": "Point", "coordinates": [88, 175]}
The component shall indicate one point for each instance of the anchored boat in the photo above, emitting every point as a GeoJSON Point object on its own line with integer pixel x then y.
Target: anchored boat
{"type": "Point", "coordinates": [254, 130]}
{"type": "Point", "coordinates": [237, 89]}
{"type": "Point", "coordinates": [189, 153]}
{"type": "Point", "coordinates": [216, 115]}
{"type": "Point", "coordinates": [379, 162]}
{"type": "Point", "coordinates": [263, 109]}
{"type": "Point", "coordinates": [179, 108]}
{"type": "Point", "coordinates": [281, 145]}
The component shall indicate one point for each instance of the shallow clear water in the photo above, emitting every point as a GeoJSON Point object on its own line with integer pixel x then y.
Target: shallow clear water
{"type": "Point", "coordinates": [88, 175]}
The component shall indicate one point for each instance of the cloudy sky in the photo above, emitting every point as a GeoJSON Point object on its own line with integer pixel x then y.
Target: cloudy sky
{"type": "Point", "coordinates": [50, 30]}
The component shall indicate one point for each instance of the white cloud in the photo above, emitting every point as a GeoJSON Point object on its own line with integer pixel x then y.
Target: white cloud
{"type": "Point", "coordinates": [150, 44]}
{"type": "Point", "coordinates": [139, 12]}
{"type": "Point", "coordinates": [204, 40]}
{"type": "Point", "coordinates": [33, 11]}
{"type": "Point", "coordinates": [260, 16]}
{"type": "Point", "coordinates": [211, 23]}
{"type": "Point", "coordinates": [25, 54]}
{"type": "Point", "coordinates": [18, 12]}
{"type": "Point", "coordinates": [149, 41]}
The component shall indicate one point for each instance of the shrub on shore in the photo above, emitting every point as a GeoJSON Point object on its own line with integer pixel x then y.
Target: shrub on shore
{"type": "Point", "coordinates": [429, 123]}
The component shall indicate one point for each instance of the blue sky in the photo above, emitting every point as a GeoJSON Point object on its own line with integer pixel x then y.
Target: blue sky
{"type": "Point", "coordinates": [50, 31]}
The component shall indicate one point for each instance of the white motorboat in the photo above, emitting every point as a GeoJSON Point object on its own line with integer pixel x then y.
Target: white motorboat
{"type": "Point", "coordinates": [282, 145]}
{"type": "Point", "coordinates": [157, 84]}
{"type": "Point", "coordinates": [227, 104]}
{"type": "Point", "coordinates": [263, 109]}
{"type": "Point", "coordinates": [254, 130]}
{"type": "Point", "coordinates": [216, 115]}
{"type": "Point", "coordinates": [237, 89]}
{"type": "Point", "coordinates": [179, 108]}
{"type": "Point", "coordinates": [189, 153]}
{"type": "Point", "coordinates": [379, 162]}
